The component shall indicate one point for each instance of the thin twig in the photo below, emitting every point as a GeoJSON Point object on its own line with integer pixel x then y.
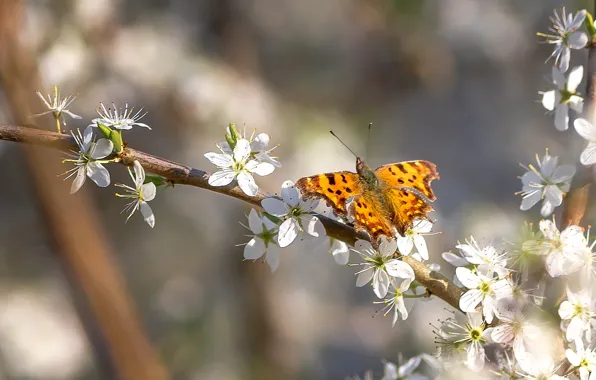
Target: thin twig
{"type": "Point", "coordinates": [186, 175]}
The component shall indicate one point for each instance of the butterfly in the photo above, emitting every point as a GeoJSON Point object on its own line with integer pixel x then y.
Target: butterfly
{"type": "Point", "coordinates": [382, 202]}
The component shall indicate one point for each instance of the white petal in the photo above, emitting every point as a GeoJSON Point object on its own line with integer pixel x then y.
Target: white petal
{"type": "Point", "coordinates": [575, 78]}
{"type": "Point", "coordinates": [139, 174]}
{"type": "Point", "coordinates": [573, 357]}
{"type": "Point", "coordinates": [475, 357]}
{"type": "Point", "coordinates": [387, 247]}
{"type": "Point", "coordinates": [98, 174]}
{"type": "Point", "coordinates": [79, 180]}
{"type": "Point", "coordinates": [221, 160]}
{"type": "Point", "coordinates": [468, 278]}
{"type": "Point", "coordinates": [273, 256]}
{"type": "Point", "coordinates": [101, 149]}
{"type": "Point", "coordinates": [421, 246]}
{"type": "Point", "coordinates": [148, 190]}
{"type": "Point", "coordinates": [576, 103]}
{"type": "Point", "coordinates": [254, 249]}
{"type": "Point", "coordinates": [289, 193]}
{"type": "Point", "coordinates": [274, 206]}
{"type": "Point", "coordinates": [261, 142]}
{"type": "Point", "coordinates": [585, 129]}
{"type": "Point", "coordinates": [566, 310]}
{"type": "Point", "coordinates": [398, 268]}
{"type": "Point", "coordinates": [260, 168]}
{"type": "Point", "coordinates": [564, 58]}
{"type": "Point", "coordinates": [549, 229]}
{"type": "Point", "coordinates": [454, 259]}
{"type": "Point", "coordinates": [380, 283]}
{"type": "Point", "coordinates": [313, 226]}
{"type": "Point", "coordinates": [470, 300]}
{"type": "Point", "coordinates": [405, 245]}
{"type": "Point", "coordinates": [247, 184]}
{"type": "Point", "coordinates": [254, 222]}
{"type": "Point", "coordinates": [547, 209]}
{"type": "Point", "coordinates": [400, 307]}
{"type": "Point", "coordinates": [88, 136]}
{"type": "Point", "coordinates": [588, 156]}
{"type": "Point", "coordinates": [241, 150]}
{"type": "Point", "coordinates": [423, 226]}
{"type": "Point", "coordinates": [364, 247]}
{"type": "Point", "coordinates": [529, 200]}
{"type": "Point", "coordinates": [288, 231]}
{"type": "Point", "coordinates": [549, 100]}
{"type": "Point", "coordinates": [340, 252]}
{"type": "Point", "coordinates": [563, 173]}
{"type": "Point", "coordinates": [503, 334]}
{"type": "Point", "coordinates": [530, 179]}
{"type": "Point", "coordinates": [578, 40]}
{"type": "Point", "coordinates": [221, 178]}
{"type": "Point", "coordinates": [147, 213]}
{"type": "Point", "coordinates": [558, 77]}
{"type": "Point", "coordinates": [364, 277]}
{"type": "Point", "coordinates": [577, 21]}
{"type": "Point", "coordinates": [562, 117]}
{"type": "Point", "coordinates": [389, 371]}
{"type": "Point", "coordinates": [410, 366]}
{"type": "Point", "coordinates": [553, 195]}
{"type": "Point", "coordinates": [575, 329]}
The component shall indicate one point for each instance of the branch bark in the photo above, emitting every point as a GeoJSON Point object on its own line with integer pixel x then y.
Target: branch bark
{"type": "Point", "coordinates": [186, 175]}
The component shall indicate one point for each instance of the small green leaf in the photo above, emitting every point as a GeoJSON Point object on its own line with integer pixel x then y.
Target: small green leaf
{"type": "Point", "coordinates": [105, 130]}
{"type": "Point", "coordinates": [116, 138]}
{"type": "Point", "coordinates": [589, 21]}
{"type": "Point", "coordinates": [157, 180]}
{"type": "Point", "coordinates": [272, 218]}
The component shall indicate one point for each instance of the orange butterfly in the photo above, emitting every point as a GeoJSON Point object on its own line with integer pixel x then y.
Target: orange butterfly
{"type": "Point", "coordinates": [382, 202]}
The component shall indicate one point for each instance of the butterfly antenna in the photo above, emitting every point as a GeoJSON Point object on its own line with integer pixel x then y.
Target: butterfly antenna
{"type": "Point", "coordinates": [343, 143]}
{"type": "Point", "coordinates": [368, 141]}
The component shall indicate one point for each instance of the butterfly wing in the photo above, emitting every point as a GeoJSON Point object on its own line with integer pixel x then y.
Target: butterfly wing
{"type": "Point", "coordinates": [416, 175]}
{"type": "Point", "coordinates": [407, 206]}
{"type": "Point", "coordinates": [368, 216]}
{"type": "Point", "coordinates": [336, 188]}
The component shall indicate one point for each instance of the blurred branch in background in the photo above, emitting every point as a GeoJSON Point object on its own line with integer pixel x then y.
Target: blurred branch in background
{"type": "Point", "coordinates": [180, 174]}
{"type": "Point", "coordinates": [77, 235]}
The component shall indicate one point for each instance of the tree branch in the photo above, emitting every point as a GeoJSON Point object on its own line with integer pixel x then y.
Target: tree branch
{"type": "Point", "coordinates": [185, 175]}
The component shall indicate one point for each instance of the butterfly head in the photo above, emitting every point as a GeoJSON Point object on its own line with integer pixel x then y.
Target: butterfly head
{"type": "Point", "coordinates": [366, 173]}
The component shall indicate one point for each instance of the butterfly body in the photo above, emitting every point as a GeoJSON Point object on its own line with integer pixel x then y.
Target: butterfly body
{"type": "Point", "coordinates": [382, 202]}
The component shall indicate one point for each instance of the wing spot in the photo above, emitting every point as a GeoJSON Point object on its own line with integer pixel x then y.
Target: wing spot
{"type": "Point", "coordinates": [414, 177]}
{"type": "Point", "coordinates": [404, 193]}
{"type": "Point", "coordinates": [411, 180]}
{"type": "Point", "coordinates": [370, 214]}
{"type": "Point", "coordinates": [391, 170]}
{"type": "Point", "coordinates": [342, 200]}
{"type": "Point", "coordinates": [338, 192]}
{"type": "Point", "coordinates": [331, 180]}
{"type": "Point", "coordinates": [401, 167]}
{"type": "Point", "coordinates": [358, 204]}
{"type": "Point", "coordinates": [404, 202]}
{"type": "Point", "coordinates": [343, 179]}
{"type": "Point", "coordinates": [330, 190]}
{"type": "Point", "coordinates": [347, 189]}
{"type": "Point", "coordinates": [401, 181]}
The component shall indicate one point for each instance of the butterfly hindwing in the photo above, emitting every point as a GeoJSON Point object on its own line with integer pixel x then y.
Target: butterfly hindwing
{"type": "Point", "coordinates": [336, 188]}
{"type": "Point", "coordinates": [370, 218]}
{"type": "Point", "coordinates": [413, 174]}
{"type": "Point", "coordinates": [407, 207]}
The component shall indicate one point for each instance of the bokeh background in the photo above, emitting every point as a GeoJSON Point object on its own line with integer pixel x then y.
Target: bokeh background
{"type": "Point", "coordinates": [451, 81]}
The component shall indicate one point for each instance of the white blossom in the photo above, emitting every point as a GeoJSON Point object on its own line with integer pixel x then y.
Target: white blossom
{"type": "Point", "coordinates": [404, 371]}
{"type": "Point", "coordinates": [565, 250]}
{"type": "Point", "coordinates": [140, 195]}
{"type": "Point", "coordinates": [340, 251]}
{"type": "Point", "coordinates": [487, 258]}
{"type": "Point", "coordinates": [564, 95]}
{"type": "Point", "coordinates": [296, 214]}
{"type": "Point", "coordinates": [123, 119]}
{"type": "Point", "coordinates": [540, 367]}
{"type": "Point", "coordinates": [515, 330]}
{"type": "Point", "coordinates": [566, 36]}
{"type": "Point", "coordinates": [263, 241]}
{"type": "Point", "coordinates": [239, 166]}
{"type": "Point", "coordinates": [454, 336]}
{"type": "Point", "coordinates": [414, 237]}
{"type": "Point", "coordinates": [549, 183]}
{"type": "Point", "coordinates": [482, 289]}
{"type": "Point", "coordinates": [57, 107]}
{"type": "Point", "coordinates": [577, 313]}
{"type": "Point", "coordinates": [584, 358]}
{"type": "Point", "coordinates": [87, 160]}
{"type": "Point", "coordinates": [588, 132]}
{"type": "Point", "coordinates": [380, 266]}
{"type": "Point", "coordinates": [395, 300]}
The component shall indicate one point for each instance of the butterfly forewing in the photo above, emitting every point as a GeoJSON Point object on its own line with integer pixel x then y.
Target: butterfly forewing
{"type": "Point", "coordinates": [413, 174]}
{"type": "Point", "coordinates": [336, 188]}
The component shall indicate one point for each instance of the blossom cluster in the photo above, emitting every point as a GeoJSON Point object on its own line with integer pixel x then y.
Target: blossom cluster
{"type": "Point", "coordinates": [93, 153]}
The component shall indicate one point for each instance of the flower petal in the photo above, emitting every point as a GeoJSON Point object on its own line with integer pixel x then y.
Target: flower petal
{"type": "Point", "coordinates": [585, 129]}
{"type": "Point", "coordinates": [241, 150]}
{"type": "Point", "coordinates": [221, 178]}
{"type": "Point", "coordinates": [578, 40]}
{"type": "Point", "coordinates": [405, 244]}
{"type": "Point", "coordinates": [588, 156]}
{"type": "Point", "coordinates": [98, 174]}
{"type": "Point", "coordinates": [468, 278]}
{"type": "Point", "coordinates": [101, 149]}
{"type": "Point", "coordinates": [420, 244]}
{"type": "Point", "coordinates": [563, 173]}
{"type": "Point", "coordinates": [275, 206]}
{"type": "Point", "coordinates": [147, 213]}
{"type": "Point", "coordinates": [387, 247]}
{"type": "Point", "coordinates": [558, 77]}
{"type": "Point", "coordinates": [254, 222]}
{"type": "Point", "coordinates": [247, 184]}
{"type": "Point", "coordinates": [261, 142]}
{"type": "Point", "coordinates": [260, 168]}
{"type": "Point", "coordinates": [547, 208]}
{"type": "Point", "coordinates": [254, 249]}
{"type": "Point", "coordinates": [564, 57]}
{"type": "Point", "coordinates": [575, 78]}
{"type": "Point", "coordinates": [454, 259]}
{"type": "Point", "coordinates": [290, 194]}
{"type": "Point", "coordinates": [79, 180]}
{"type": "Point", "coordinates": [381, 283]}
{"type": "Point", "coordinates": [148, 191]}
{"type": "Point", "coordinates": [470, 300]}
{"type": "Point", "coordinates": [273, 256]}
{"type": "Point", "coordinates": [340, 252]}
{"type": "Point", "coordinates": [553, 195]}
{"type": "Point", "coordinates": [288, 231]}
{"type": "Point", "coordinates": [220, 160]}
{"type": "Point", "coordinates": [398, 268]}
{"type": "Point", "coordinates": [364, 277]}
{"type": "Point", "coordinates": [139, 174]}
{"type": "Point", "coordinates": [549, 99]}
{"type": "Point", "coordinates": [530, 199]}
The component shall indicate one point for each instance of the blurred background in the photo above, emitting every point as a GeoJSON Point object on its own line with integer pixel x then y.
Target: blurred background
{"type": "Point", "coordinates": [450, 81]}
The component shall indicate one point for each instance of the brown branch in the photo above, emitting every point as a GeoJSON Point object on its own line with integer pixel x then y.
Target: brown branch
{"type": "Point", "coordinates": [185, 175]}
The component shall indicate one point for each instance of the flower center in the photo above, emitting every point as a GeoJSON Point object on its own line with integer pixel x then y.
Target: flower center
{"type": "Point", "coordinates": [484, 287]}
{"type": "Point", "coordinates": [476, 334]}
